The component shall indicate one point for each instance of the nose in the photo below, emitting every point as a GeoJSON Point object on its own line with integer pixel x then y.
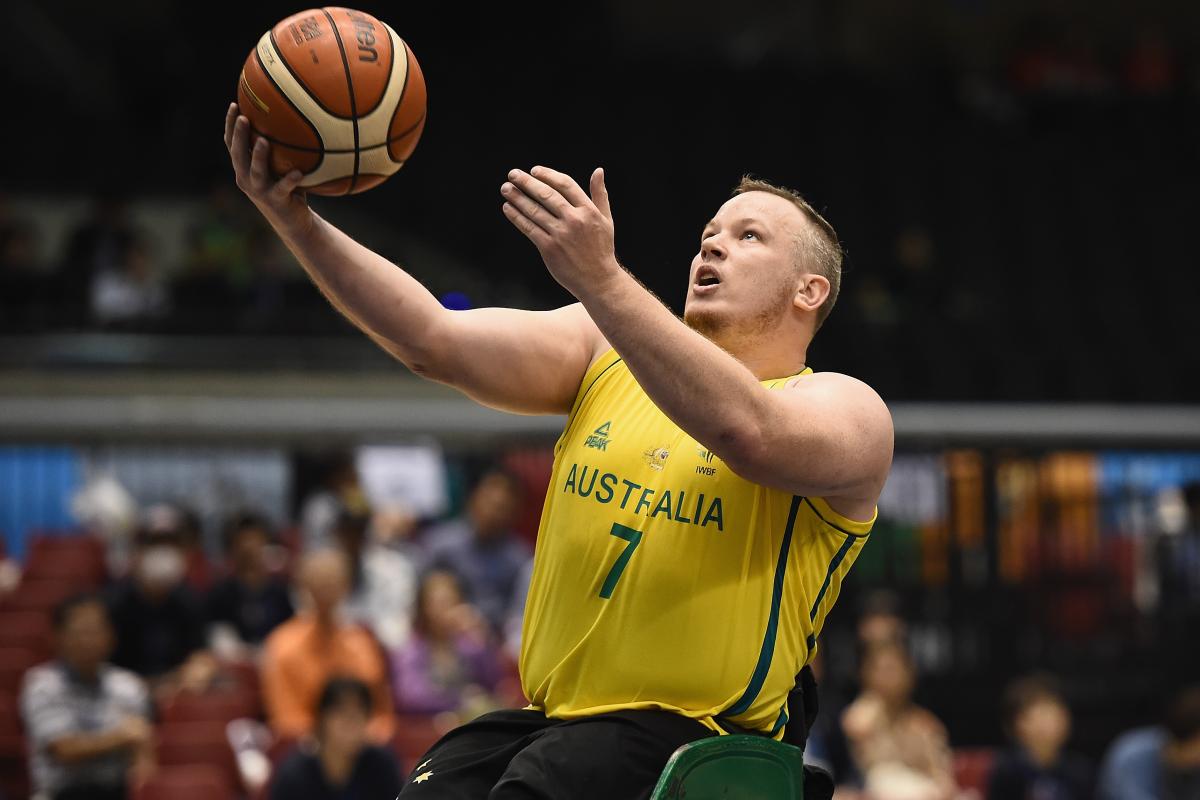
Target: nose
{"type": "Point", "coordinates": [711, 248]}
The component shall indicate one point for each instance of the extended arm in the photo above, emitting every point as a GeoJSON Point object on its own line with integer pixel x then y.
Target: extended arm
{"type": "Point", "coordinates": [523, 361]}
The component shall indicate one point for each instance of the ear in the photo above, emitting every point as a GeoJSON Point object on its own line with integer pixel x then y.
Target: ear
{"type": "Point", "coordinates": [811, 292]}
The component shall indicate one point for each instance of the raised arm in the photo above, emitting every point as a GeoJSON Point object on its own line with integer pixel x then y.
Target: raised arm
{"type": "Point", "coordinates": [523, 361]}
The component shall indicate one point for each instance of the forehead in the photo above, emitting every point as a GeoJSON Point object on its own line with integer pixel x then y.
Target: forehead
{"type": "Point", "coordinates": [775, 211]}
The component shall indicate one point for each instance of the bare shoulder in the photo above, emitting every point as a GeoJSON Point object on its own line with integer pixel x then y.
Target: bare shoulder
{"type": "Point", "coordinates": [856, 426]}
{"type": "Point", "coordinates": [589, 331]}
{"type": "Point", "coordinates": [858, 402]}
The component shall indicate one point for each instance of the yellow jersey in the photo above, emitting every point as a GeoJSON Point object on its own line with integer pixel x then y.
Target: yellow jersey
{"type": "Point", "coordinates": [663, 580]}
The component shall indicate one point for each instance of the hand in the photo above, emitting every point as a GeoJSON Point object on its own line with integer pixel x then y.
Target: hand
{"type": "Point", "coordinates": [573, 232]}
{"type": "Point", "coordinates": [283, 204]}
{"type": "Point", "coordinates": [134, 732]}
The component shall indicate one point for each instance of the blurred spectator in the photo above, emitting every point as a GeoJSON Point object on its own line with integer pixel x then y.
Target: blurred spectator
{"type": "Point", "coordinates": [482, 548]}
{"type": "Point", "coordinates": [515, 624]}
{"type": "Point", "coordinates": [340, 492]}
{"type": "Point", "coordinates": [1157, 763]}
{"type": "Point", "coordinates": [303, 654]}
{"type": "Point", "coordinates": [899, 748]}
{"type": "Point", "coordinates": [219, 243]}
{"type": "Point", "coordinates": [340, 764]}
{"type": "Point", "coordinates": [98, 246]}
{"type": "Point", "coordinates": [880, 622]}
{"type": "Point", "coordinates": [448, 665]}
{"type": "Point", "coordinates": [384, 582]}
{"type": "Point", "coordinates": [130, 289]}
{"type": "Point", "coordinates": [199, 572]}
{"type": "Point", "coordinates": [159, 621]}
{"type": "Point", "coordinates": [88, 721]}
{"type": "Point", "coordinates": [250, 602]}
{"type": "Point", "coordinates": [1036, 767]}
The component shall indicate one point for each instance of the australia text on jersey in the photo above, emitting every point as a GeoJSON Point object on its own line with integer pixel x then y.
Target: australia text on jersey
{"type": "Point", "coordinates": [646, 501]}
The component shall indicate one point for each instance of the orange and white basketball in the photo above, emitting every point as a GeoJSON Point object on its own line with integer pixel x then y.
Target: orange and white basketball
{"type": "Point", "coordinates": [339, 96]}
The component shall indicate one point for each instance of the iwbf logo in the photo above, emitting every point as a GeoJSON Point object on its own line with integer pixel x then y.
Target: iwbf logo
{"type": "Point", "coordinates": [707, 455]}
{"type": "Point", "coordinates": [599, 438]}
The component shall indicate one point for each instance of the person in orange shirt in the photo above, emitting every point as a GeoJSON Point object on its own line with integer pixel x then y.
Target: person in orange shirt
{"type": "Point", "coordinates": [302, 654]}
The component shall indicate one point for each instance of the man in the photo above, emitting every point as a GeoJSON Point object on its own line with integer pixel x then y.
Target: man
{"type": "Point", "coordinates": [1160, 762]}
{"type": "Point", "coordinates": [383, 581]}
{"type": "Point", "coordinates": [318, 644]}
{"type": "Point", "coordinates": [709, 492]}
{"type": "Point", "coordinates": [1037, 764]}
{"type": "Point", "coordinates": [88, 721]}
{"type": "Point", "coordinates": [249, 602]}
{"type": "Point", "coordinates": [481, 548]}
{"type": "Point", "coordinates": [159, 620]}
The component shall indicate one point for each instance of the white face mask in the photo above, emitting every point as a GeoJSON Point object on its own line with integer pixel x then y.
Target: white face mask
{"type": "Point", "coordinates": [162, 565]}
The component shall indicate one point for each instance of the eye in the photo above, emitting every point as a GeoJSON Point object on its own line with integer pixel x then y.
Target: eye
{"type": "Point", "coordinates": [751, 233]}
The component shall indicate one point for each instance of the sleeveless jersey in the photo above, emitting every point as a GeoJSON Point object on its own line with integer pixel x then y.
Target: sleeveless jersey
{"type": "Point", "coordinates": [663, 580]}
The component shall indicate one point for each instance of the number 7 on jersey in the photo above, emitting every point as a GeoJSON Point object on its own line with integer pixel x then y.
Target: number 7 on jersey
{"type": "Point", "coordinates": [634, 537]}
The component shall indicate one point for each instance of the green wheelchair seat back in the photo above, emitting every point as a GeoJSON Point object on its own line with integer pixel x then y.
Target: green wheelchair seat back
{"type": "Point", "coordinates": [735, 767]}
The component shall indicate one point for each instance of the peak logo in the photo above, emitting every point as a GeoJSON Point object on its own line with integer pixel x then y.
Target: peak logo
{"type": "Point", "coordinates": [598, 439]}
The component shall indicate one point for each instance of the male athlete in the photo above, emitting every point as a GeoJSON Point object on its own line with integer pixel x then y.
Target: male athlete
{"type": "Point", "coordinates": [709, 492]}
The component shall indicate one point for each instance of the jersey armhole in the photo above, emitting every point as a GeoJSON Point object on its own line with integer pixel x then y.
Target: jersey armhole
{"type": "Point", "coordinates": [605, 362]}
{"type": "Point", "coordinates": [850, 527]}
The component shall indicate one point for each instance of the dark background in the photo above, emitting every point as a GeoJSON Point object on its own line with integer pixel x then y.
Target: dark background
{"type": "Point", "coordinates": [1014, 182]}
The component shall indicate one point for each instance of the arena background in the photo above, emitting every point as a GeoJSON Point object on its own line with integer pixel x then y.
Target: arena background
{"type": "Point", "coordinates": [1014, 183]}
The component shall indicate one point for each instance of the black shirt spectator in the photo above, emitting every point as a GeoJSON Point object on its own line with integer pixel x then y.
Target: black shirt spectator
{"type": "Point", "coordinates": [249, 602]}
{"type": "Point", "coordinates": [339, 764]}
{"type": "Point", "coordinates": [159, 622]}
{"type": "Point", "coordinates": [1036, 766]}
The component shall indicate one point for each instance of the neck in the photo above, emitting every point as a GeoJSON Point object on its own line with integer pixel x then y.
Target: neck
{"type": "Point", "coordinates": [774, 353]}
{"type": "Point", "coordinates": [336, 764]}
{"type": "Point", "coordinates": [87, 673]}
{"type": "Point", "coordinates": [1043, 756]}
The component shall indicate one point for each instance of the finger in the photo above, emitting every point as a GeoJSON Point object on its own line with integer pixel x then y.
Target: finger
{"type": "Point", "coordinates": [565, 185]}
{"type": "Point", "coordinates": [287, 184]}
{"type": "Point", "coordinates": [600, 193]}
{"type": "Point", "coordinates": [231, 115]}
{"type": "Point", "coordinates": [239, 148]}
{"type": "Point", "coordinates": [259, 174]}
{"type": "Point", "coordinates": [528, 207]}
{"type": "Point", "coordinates": [525, 225]}
{"type": "Point", "coordinates": [547, 196]}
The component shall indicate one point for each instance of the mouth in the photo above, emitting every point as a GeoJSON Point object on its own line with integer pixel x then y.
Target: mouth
{"type": "Point", "coordinates": [706, 280]}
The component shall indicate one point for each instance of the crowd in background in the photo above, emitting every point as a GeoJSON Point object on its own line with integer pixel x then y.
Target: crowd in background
{"type": "Point", "coordinates": [352, 620]}
{"type": "Point", "coordinates": [357, 621]}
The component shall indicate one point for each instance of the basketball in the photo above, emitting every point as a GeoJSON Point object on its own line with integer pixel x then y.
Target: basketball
{"type": "Point", "coordinates": [338, 95]}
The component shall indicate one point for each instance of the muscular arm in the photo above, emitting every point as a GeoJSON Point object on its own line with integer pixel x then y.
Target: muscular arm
{"type": "Point", "coordinates": [521, 361]}
{"type": "Point", "coordinates": [824, 435]}
{"type": "Point", "coordinates": [524, 361]}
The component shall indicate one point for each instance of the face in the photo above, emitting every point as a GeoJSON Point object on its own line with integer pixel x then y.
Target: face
{"type": "Point", "coordinates": [441, 598]}
{"type": "Point", "coordinates": [1044, 725]}
{"type": "Point", "coordinates": [326, 580]}
{"type": "Point", "coordinates": [889, 675]}
{"type": "Point", "coordinates": [493, 506]}
{"type": "Point", "coordinates": [745, 277]}
{"type": "Point", "coordinates": [344, 727]}
{"type": "Point", "coordinates": [249, 548]}
{"type": "Point", "coordinates": [86, 639]}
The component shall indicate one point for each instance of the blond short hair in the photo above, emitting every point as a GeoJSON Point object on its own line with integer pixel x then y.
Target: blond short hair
{"type": "Point", "coordinates": [819, 249]}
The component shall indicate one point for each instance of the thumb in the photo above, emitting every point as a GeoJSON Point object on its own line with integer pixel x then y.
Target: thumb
{"type": "Point", "coordinates": [600, 192]}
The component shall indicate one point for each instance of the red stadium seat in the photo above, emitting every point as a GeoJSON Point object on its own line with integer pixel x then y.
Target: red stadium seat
{"type": "Point", "coordinates": [14, 661]}
{"type": "Point", "coordinates": [27, 630]}
{"type": "Point", "coordinates": [181, 744]}
{"type": "Point", "coordinates": [39, 596]}
{"type": "Point", "coordinates": [217, 705]}
{"type": "Point", "coordinates": [415, 734]}
{"type": "Point", "coordinates": [14, 761]}
{"type": "Point", "coordinates": [82, 568]}
{"type": "Point", "coordinates": [184, 783]}
{"type": "Point", "coordinates": [972, 767]}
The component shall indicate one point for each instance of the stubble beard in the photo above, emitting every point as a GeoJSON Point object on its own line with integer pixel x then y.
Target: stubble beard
{"type": "Point", "coordinates": [734, 332]}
